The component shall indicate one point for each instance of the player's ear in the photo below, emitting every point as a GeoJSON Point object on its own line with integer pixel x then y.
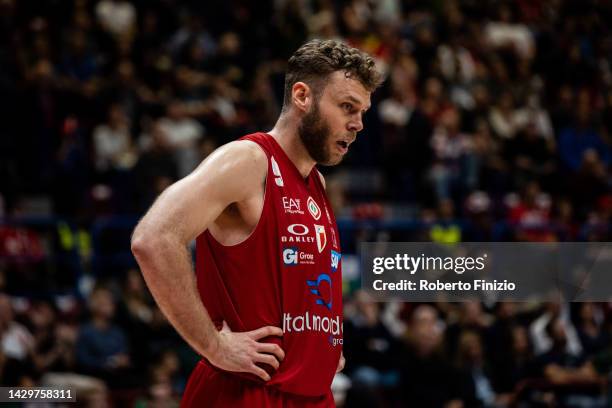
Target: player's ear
{"type": "Point", "coordinates": [301, 96]}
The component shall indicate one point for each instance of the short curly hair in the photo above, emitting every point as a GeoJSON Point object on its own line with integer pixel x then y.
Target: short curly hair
{"type": "Point", "coordinates": [316, 60]}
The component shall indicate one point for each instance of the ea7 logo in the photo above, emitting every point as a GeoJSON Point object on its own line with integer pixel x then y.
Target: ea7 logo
{"type": "Point", "coordinates": [335, 260]}
{"type": "Point", "coordinates": [292, 205]}
{"type": "Point", "coordinates": [313, 208]}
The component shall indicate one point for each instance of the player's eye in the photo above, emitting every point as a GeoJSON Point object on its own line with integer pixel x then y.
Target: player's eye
{"type": "Point", "coordinates": [347, 107]}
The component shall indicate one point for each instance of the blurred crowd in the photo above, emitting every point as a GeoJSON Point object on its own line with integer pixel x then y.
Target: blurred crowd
{"type": "Point", "coordinates": [494, 124]}
{"type": "Point", "coordinates": [471, 355]}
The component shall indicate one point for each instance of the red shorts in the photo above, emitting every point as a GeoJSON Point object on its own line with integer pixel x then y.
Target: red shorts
{"type": "Point", "coordinates": [209, 387]}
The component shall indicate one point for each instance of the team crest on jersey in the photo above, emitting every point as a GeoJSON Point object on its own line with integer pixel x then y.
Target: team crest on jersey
{"type": "Point", "coordinates": [313, 208]}
{"type": "Point", "coordinates": [321, 237]}
{"type": "Point", "coordinates": [278, 177]}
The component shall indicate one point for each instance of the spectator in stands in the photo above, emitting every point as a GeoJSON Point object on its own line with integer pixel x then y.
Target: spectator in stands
{"type": "Point", "coordinates": [182, 135]}
{"type": "Point", "coordinates": [406, 132]}
{"type": "Point", "coordinates": [479, 218]}
{"type": "Point", "coordinates": [79, 67]}
{"type": "Point", "coordinates": [590, 331]}
{"type": "Point", "coordinates": [102, 347]}
{"type": "Point", "coordinates": [372, 348]}
{"type": "Point", "coordinates": [161, 393]}
{"type": "Point", "coordinates": [454, 168]}
{"type": "Point", "coordinates": [118, 17]}
{"type": "Point", "coordinates": [503, 32]}
{"type": "Point", "coordinates": [542, 341]}
{"type": "Point", "coordinates": [471, 362]}
{"type": "Point", "coordinates": [49, 354]}
{"type": "Point", "coordinates": [531, 215]}
{"type": "Point", "coordinates": [564, 220]}
{"type": "Point", "coordinates": [573, 371]}
{"type": "Point", "coordinates": [17, 346]}
{"type": "Point", "coordinates": [135, 317]}
{"type": "Point", "coordinates": [503, 117]}
{"type": "Point", "coordinates": [589, 183]}
{"type": "Point", "coordinates": [428, 378]}
{"type": "Point", "coordinates": [531, 156]}
{"type": "Point", "coordinates": [520, 364]}
{"type": "Point", "coordinates": [113, 142]}
{"type": "Point", "coordinates": [156, 167]}
{"type": "Point", "coordinates": [578, 140]}
{"type": "Point", "coordinates": [446, 229]}
{"type": "Point", "coordinates": [17, 341]}
{"type": "Point", "coordinates": [471, 317]}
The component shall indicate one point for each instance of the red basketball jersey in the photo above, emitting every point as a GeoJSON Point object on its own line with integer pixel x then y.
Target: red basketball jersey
{"type": "Point", "coordinates": [287, 273]}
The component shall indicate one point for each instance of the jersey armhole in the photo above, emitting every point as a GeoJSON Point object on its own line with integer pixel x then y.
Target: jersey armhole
{"type": "Point", "coordinates": [264, 206]}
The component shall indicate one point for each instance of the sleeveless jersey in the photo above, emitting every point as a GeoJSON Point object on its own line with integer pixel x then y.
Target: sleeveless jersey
{"type": "Point", "coordinates": [287, 274]}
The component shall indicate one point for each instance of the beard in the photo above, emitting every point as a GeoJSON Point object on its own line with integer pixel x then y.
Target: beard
{"type": "Point", "coordinates": [315, 133]}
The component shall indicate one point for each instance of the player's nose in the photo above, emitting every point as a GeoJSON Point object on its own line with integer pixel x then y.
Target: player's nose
{"type": "Point", "coordinates": [356, 124]}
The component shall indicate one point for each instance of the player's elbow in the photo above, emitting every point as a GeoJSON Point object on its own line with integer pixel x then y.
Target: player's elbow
{"type": "Point", "coordinates": [143, 243]}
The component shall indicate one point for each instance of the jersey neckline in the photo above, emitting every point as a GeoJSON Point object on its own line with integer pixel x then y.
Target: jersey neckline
{"type": "Point", "coordinates": [291, 164]}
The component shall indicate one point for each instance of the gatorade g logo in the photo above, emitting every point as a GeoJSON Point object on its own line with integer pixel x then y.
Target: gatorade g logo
{"type": "Point", "coordinates": [316, 288]}
{"type": "Point", "coordinates": [335, 260]}
{"type": "Point", "coordinates": [313, 208]}
{"type": "Point", "coordinates": [321, 237]}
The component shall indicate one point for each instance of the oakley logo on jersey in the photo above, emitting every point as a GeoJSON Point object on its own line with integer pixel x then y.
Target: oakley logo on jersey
{"type": "Point", "coordinates": [335, 260]}
{"type": "Point", "coordinates": [299, 233]}
{"type": "Point", "coordinates": [278, 178]}
{"type": "Point", "coordinates": [316, 289]}
{"type": "Point", "coordinates": [293, 256]}
{"type": "Point", "coordinates": [313, 208]}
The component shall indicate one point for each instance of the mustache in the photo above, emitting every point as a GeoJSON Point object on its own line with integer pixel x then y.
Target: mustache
{"type": "Point", "coordinates": [350, 137]}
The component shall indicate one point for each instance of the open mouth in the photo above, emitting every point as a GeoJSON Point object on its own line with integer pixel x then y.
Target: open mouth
{"type": "Point", "coordinates": [343, 144]}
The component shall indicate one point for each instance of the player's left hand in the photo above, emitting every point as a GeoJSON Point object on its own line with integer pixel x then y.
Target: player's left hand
{"type": "Point", "coordinates": [341, 363]}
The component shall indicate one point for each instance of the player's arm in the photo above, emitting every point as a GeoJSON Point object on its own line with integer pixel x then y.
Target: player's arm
{"type": "Point", "coordinates": [233, 173]}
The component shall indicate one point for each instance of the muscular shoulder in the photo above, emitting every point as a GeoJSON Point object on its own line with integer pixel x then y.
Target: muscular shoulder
{"type": "Point", "coordinates": [239, 166]}
{"type": "Point", "coordinates": [241, 154]}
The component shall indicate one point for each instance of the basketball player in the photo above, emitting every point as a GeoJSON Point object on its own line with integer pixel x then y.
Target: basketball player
{"type": "Point", "coordinates": [264, 307]}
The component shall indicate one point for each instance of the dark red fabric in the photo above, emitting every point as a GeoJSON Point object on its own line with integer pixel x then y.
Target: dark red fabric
{"type": "Point", "coordinates": [209, 387]}
{"type": "Point", "coordinates": [286, 274]}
